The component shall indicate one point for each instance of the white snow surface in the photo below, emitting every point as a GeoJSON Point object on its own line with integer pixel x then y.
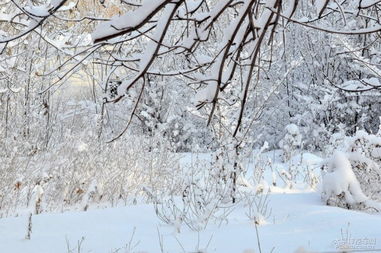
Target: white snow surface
{"type": "Point", "coordinates": [298, 220]}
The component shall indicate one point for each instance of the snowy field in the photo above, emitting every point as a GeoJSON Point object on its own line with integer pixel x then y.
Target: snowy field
{"type": "Point", "coordinates": [298, 220]}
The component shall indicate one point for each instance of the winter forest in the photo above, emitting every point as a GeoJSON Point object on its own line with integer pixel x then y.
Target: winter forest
{"type": "Point", "coordinates": [180, 126]}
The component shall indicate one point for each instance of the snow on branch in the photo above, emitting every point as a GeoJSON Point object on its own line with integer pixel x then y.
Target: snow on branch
{"type": "Point", "coordinates": [153, 46]}
{"type": "Point", "coordinates": [37, 14]}
{"type": "Point", "coordinates": [216, 46]}
{"type": "Point", "coordinates": [128, 22]}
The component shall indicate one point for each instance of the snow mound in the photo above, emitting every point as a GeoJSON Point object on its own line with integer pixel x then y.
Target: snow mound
{"type": "Point", "coordinates": [364, 153]}
{"type": "Point", "coordinates": [340, 182]}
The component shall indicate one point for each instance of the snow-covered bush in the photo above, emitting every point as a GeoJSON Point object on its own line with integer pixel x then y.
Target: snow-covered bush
{"type": "Point", "coordinates": [210, 187]}
{"type": "Point", "coordinates": [82, 172]}
{"type": "Point", "coordinates": [257, 204]}
{"type": "Point", "coordinates": [364, 153]}
{"type": "Point", "coordinates": [205, 197]}
{"type": "Point", "coordinates": [340, 185]}
{"type": "Point", "coordinates": [291, 141]}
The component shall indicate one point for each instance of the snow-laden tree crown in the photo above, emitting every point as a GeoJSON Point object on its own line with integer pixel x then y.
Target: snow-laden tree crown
{"type": "Point", "coordinates": [222, 49]}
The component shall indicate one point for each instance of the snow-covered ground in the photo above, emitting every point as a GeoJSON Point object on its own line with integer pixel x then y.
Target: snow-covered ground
{"type": "Point", "coordinates": [297, 220]}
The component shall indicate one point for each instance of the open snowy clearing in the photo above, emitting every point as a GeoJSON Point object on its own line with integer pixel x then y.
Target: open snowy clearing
{"type": "Point", "coordinates": [297, 220]}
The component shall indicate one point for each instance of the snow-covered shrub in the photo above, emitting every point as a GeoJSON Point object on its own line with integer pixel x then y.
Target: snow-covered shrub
{"type": "Point", "coordinates": [83, 172]}
{"type": "Point", "coordinates": [257, 204]}
{"type": "Point", "coordinates": [336, 140]}
{"type": "Point", "coordinates": [210, 188]}
{"type": "Point", "coordinates": [38, 194]}
{"type": "Point", "coordinates": [291, 141]}
{"type": "Point", "coordinates": [340, 185]}
{"type": "Point", "coordinates": [205, 198]}
{"type": "Point", "coordinates": [260, 164]}
{"type": "Point", "coordinates": [364, 153]}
